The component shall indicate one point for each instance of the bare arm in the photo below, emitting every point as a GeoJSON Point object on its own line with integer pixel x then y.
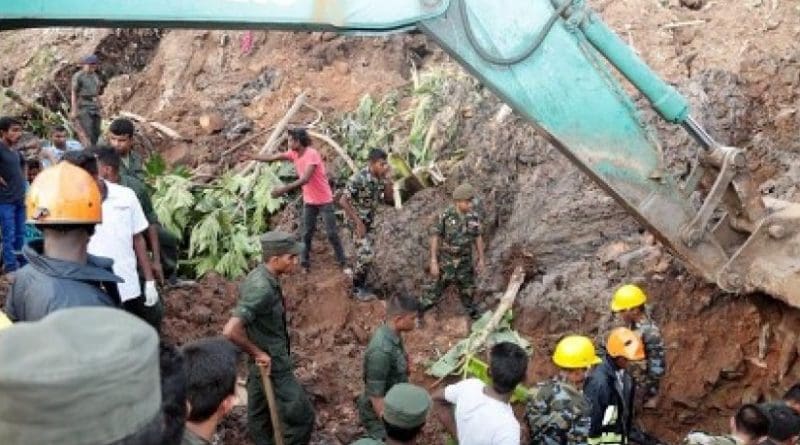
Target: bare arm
{"type": "Point", "coordinates": [270, 158]}
{"type": "Point", "coordinates": [155, 247]}
{"type": "Point", "coordinates": [443, 410]}
{"type": "Point", "coordinates": [235, 332]}
{"type": "Point", "coordinates": [140, 248]}
{"type": "Point", "coordinates": [302, 180]}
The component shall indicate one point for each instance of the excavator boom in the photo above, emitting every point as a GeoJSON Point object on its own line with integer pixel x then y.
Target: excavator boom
{"type": "Point", "coordinates": [552, 61]}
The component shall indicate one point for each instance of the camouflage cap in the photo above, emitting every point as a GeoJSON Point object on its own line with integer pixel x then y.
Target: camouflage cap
{"type": "Point", "coordinates": [464, 192]}
{"type": "Point", "coordinates": [406, 405]}
{"type": "Point", "coordinates": [79, 376]}
{"type": "Point", "coordinates": [279, 243]}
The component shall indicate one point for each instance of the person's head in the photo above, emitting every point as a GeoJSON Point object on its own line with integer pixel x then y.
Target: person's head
{"type": "Point", "coordinates": [628, 303]}
{"type": "Point", "coordinates": [280, 251]}
{"type": "Point", "coordinates": [32, 168]}
{"type": "Point", "coordinates": [574, 356]}
{"type": "Point", "coordinates": [94, 376]}
{"type": "Point", "coordinates": [462, 196]}
{"type": "Point", "coordinates": [58, 137]}
{"type": "Point", "coordinates": [406, 408]}
{"type": "Point", "coordinates": [84, 159]}
{"type": "Point", "coordinates": [108, 163]}
{"type": "Point", "coordinates": [792, 398]}
{"type": "Point", "coordinates": [298, 138]}
{"type": "Point", "coordinates": [173, 393]}
{"type": "Point", "coordinates": [10, 130]}
{"type": "Point", "coordinates": [64, 199]}
{"type": "Point", "coordinates": [89, 63]}
{"type": "Point", "coordinates": [508, 364]}
{"type": "Point", "coordinates": [120, 135]}
{"type": "Point", "coordinates": [378, 162]}
{"type": "Point", "coordinates": [401, 312]}
{"type": "Point", "coordinates": [750, 423]}
{"type": "Point", "coordinates": [624, 346]}
{"type": "Point", "coordinates": [211, 378]}
{"type": "Point", "coordinates": [784, 425]}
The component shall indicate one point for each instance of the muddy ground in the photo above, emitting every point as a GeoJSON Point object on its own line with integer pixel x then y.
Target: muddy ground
{"type": "Point", "coordinates": [738, 62]}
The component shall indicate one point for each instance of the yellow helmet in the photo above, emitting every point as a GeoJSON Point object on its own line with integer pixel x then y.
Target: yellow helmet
{"type": "Point", "coordinates": [627, 297]}
{"type": "Point", "coordinates": [575, 352]}
{"type": "Point", "coordinates": [622, 342]}
{"type": "Point", "coordinates": [64, 194]}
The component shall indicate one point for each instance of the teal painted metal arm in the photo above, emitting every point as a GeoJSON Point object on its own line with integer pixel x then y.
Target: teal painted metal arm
{"type": "Point", "coordinates": [551, 60]}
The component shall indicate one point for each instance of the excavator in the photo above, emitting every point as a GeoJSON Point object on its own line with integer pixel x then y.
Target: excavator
{"type": "Point", "coordinates": [556, 63]}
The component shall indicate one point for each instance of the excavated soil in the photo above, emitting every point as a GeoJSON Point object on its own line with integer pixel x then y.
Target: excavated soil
{"type": "Point", "coordinates": [738, 62]}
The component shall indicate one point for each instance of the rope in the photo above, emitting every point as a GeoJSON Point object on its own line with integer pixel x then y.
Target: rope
{"type": "Point", "coordinates": [497, 60]}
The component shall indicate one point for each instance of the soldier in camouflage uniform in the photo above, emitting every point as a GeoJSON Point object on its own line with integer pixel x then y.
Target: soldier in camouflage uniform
{"type": "Point", "coordinates": [456, 232]}
{"type": "Point", "coordinates": [749, 426]}
{"type": "Point", "coordinates": [366, 190]}
{"type": "Point", "coordinates": [558, 413]}
{"type": "Point", "coordinates": [406, 408]}
{"type": "Point", "coordinates": [629, 303]}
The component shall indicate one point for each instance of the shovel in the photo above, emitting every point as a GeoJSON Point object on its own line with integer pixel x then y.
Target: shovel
{"type": "Point", "coordinates": [277, 427]}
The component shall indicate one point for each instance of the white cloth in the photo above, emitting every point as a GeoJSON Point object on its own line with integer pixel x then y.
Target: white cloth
{"type": "Point", "coordinates": [480, 419]}
{"type": "Point", "coordinates": [72, 145]}
{"type": "Point", "coordinates": [123, 218]}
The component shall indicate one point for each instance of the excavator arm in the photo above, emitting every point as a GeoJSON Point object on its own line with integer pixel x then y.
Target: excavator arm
{"type": "Point", "coordinates": [552, 61]}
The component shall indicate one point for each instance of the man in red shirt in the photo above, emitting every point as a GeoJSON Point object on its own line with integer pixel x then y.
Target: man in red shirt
{"type": "Point", "coordinates": [317, 193]}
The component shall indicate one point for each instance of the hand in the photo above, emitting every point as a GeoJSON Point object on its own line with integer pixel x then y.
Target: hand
{"type": "Point", "coordinates": [158, 271]}
{"type": "Point", "coordinates": [361, 230]}
{"type": "Point", "coordinates": [435, 268]}
{"type": "Point", "coordinates": [150, 293]}
{"type": "Point", "coordinates": [263, 360]}
{"type": "Point", "coordinates": [277, 192]}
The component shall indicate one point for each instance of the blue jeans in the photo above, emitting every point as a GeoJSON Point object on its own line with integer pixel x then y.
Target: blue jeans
{"type": "Point", "coordinates": [12, 223]}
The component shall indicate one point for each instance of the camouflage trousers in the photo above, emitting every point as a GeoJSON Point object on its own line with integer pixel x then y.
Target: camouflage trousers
{"type": "Point", "coordinates": [457, 271]}
{"type": "Point", "coordinates": [364, 256]}
{"type": "Point", "coordinates": [647, 383]}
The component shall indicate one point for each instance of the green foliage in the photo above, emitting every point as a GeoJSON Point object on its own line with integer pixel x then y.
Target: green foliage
{"type": "Point", "coordinates": [221, 220]}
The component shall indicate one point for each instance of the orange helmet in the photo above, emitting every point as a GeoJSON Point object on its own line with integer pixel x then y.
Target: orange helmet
{"type": "Point", "coordinates": [64, 194]}
{"type": "Point", "coordinates": [622, 342]}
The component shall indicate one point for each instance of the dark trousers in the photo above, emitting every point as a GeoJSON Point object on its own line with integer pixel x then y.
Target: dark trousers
{"type": "Point", "coordinates": [90, 122]}
{"type": "Point", "coordinates": [169, 252]}
{"type": "Point", "coordinates": [310, 214]}
{"type": "Point", "coordinates": [294, 408]}
{"type": "Point", "coordinates": [153, 315]}
{"type": "Point", "coordinates": [12, 223]}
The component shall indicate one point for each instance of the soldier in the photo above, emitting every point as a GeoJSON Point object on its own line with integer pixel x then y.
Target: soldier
{"type": "Point", "coordinates": [456, 232]}
{"type": "Point", "coordinates": [365, 191]}
{"type": "Point", "coordinates": [85, 89]}
{"type": "Point", "coordinates": [163, 244]}
{"type": "Point", "coordinates": [406, 408]}
{"type": "Point", "coordinates": [258, 326]}
{"type": "Point", "coordinates": [749, 426]}
{"type": "Point", "coordinates": [629, 304]}
{"type": "Point", "coordinates": [386, 362]}
{"type": "Point", "coordinates": [784, 426]}
{"type": "Point", "coordinates": [610, 390]}
{"type": "Point", "coordinates": [557, 413]}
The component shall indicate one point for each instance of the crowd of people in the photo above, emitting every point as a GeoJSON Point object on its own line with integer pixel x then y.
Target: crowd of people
{"type": "Point", "coordinates": [81, 360]}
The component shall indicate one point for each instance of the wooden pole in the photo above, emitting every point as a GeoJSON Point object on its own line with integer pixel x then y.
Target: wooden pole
{"type": "Point", "coordinates": [277, 426]}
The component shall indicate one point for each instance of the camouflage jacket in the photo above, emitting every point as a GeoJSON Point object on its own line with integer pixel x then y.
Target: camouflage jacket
{"type": "Point", "coordinates": [700, 438]}
{"type": "Point", "coordinates": [558, 414]}
{"type": "Point", "coordinates": [457, 231]}
{"type": "Point", "coordinates": [365, 193]}
{"type": "Point", "coordinates": [653, 347]}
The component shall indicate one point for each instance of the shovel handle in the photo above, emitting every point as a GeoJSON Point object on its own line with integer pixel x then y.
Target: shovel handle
{"type": "Point", "coordinates": [277, 426]}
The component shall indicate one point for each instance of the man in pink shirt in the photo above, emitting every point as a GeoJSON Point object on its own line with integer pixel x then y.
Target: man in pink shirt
{"type": "Point", "coordinates": [317, 193]}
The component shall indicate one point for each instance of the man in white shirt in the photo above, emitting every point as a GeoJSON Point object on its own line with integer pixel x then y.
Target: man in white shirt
{"type": "Point", "coordinates": [119, 237]}
{"type": "Point", "coordinates": [478, 414]}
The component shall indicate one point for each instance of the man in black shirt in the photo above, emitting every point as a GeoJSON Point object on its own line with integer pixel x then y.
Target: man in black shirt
{"type": "Point", "coordinates": [12, 194]}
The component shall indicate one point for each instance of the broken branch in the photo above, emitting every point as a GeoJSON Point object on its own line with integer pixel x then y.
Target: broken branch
{"type": "Point", "coordinates": [278, 133]}
{"type": "Point", "coordinates": [169, 132]}
{"type": "Point", "coordinates": [337, 148]}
